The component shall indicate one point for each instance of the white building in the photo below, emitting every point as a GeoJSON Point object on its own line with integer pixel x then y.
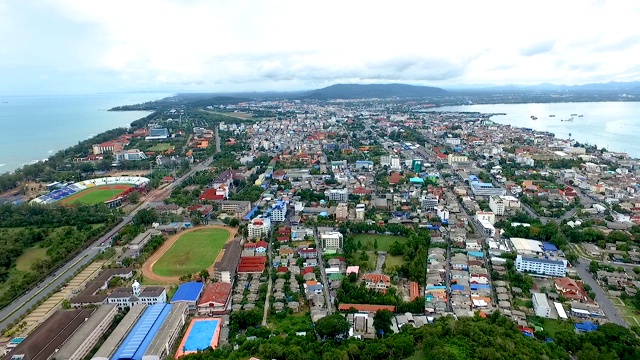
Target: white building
{"type": "Point", "coordinates": [496, 205]}
{"type": "Point", "coordinates": [395, 163]}
{"type": "Point", "coordinates": [487, 227]}
{"type": "Point", "coordinates": [526, 247]}
{"type": "Point", "coordinates": [340, 195]}
{"type": "Point", "coordinates": [541, 266]}
{"type": "Point", "coordinates": [331, 240]}
{"type": "Point", "coordinates": [124, 297]}
{"type": "Point", "coordinates": [487, 216]}
{"type": "Point", "coordinates": [452, 159]}
{"type": "Point", "coordinates": [453, 141]}
{"type": "Point", "coordinates": [385, 160]}
{"type": "Point", "coordinates": [130, 155]}
{"type": "Point", "coordinates": [429, 201]}
{"type": "Point", "coordinates": [258, 227]}
{"type": "Point", "coordinates": [360, 211]}
{"type": "Point", "coordinates": [541, 305]}
{"type": "Point", "coordinates": [279, 212]}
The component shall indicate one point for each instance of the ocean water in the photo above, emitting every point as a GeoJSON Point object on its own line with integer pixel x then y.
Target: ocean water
{"type": "Point", "coordinates": [34, 127]}
{"type": "Point", "coordinates": [612, 125]}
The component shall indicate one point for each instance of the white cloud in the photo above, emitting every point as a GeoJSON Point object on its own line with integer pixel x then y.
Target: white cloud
{"type": "Point", "coordinates": [263, 45]}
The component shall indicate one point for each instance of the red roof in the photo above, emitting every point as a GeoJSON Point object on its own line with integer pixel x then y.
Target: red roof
{"type": "Point", "coordinates": [217, 292]}
{"type": "Point", "coordinates": [361, 191]}
{"type": "Point", "coordinates": [282, 238]}
{"type": "Point", "coordinates": [394, 178]}
{"type": "Point", "coordinates": [210, 195]}
{"type": "Point", "coordinates": [253, 260]}
{"type": "Point", "coordinates": [414, 291]}
{"type": "Point", "coordinates": [283, 269]}
{"type": "Point", "coordinates": [366, 307]}
{"type": "Point", "coordinates": [307, 270]}
{"type": "Point", "coordinates": [250, 245]}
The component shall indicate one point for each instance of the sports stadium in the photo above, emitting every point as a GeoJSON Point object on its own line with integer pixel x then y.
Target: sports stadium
{"type": "Point", "coordinates": [109, 190]}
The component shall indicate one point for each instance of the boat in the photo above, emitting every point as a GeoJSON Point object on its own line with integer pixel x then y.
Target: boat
{"type": "Point", "coordinates": [574, 114]}
{"type": "Point", "coordinates": [552, 116]}
{"type": "Point", "coordinates": [580, 115]}
{"type": "Point", "coordinates": [569, 119]}
{"type": "Point", "coordinates": [533, 117]}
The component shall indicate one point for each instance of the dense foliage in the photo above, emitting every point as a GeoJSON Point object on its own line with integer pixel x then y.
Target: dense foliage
{"type": "Point", "coordinates": [493, 338]}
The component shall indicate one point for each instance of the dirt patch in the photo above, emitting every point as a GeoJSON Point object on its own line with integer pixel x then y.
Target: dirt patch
{"type": "Point", "coordinates": [129, 173]}
{"type": "Point", "coordinates": [148, 265]}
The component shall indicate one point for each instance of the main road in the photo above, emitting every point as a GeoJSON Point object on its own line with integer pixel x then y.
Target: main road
{"type": "Point", "coordinates": [21, 306]}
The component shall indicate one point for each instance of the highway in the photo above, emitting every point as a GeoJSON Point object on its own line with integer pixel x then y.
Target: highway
{"type": "Point", "coordinates": [21, 306]}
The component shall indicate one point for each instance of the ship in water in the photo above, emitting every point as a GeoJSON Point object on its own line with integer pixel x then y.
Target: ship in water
{"type": "Point", "coordinates": [552, 116]}
{"type": "Point", "coordinates": [533, 117]}
{"type": "Point", "coordinates": [569, 119]}
{"type": "Point", "coordinates": [574, 114]}
{"type": "Point", "coordinates": [580, 115]}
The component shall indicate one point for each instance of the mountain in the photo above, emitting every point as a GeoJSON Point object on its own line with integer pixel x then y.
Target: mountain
{"type": "Point", "coordinates": [357, 91]}
{"type": "Point", "coordinates": [612, 86]}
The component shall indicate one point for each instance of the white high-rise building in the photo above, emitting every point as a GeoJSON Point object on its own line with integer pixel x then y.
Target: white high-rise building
{"type": "Point", "coordinates": [258, 227]}
{"type": "Point", "coordinates": [395, 163]}
{"type": "Point", "coordinates": [385, 160]}
{"type": "Point", "coordinates": [360, 211]}
{"type": "Point", "coordinates": [541, 305]}
{"type": "Point", "coordinates": [541, 266]}
{"type": "Point", "coordinates": [331, 240]}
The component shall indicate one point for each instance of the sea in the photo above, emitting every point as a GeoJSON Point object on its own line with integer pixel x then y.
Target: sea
{"type": "Point", "coordinates": [611, 125]}
{"type": "Point", "coordinates": [32, 128]}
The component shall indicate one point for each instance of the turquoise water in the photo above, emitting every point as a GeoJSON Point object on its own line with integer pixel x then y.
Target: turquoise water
{"type": "Point", "coordinates": [612, 125]}
{"type": "Point", "coordinates": [34, 127]}
{"type": "Point", "coordinates": [201, 334]}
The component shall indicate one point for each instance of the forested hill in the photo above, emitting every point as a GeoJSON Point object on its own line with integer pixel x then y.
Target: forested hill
{"type": "Point", "coordinates": [359, 91]}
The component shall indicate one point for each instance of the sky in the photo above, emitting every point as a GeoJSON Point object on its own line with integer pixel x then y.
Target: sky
{"type": "Point", "coordinates": [79, 46]}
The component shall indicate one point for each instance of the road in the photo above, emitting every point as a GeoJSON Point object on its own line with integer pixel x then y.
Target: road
{"type": "Point", "coordinates": [20, 306]}
{"type": "Point", "coordinates": [325, 283]}
{"type": "Point", "coordinates": [605, 304]}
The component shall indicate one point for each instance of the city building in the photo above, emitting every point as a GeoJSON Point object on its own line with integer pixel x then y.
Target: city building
{"type": "Point", "coordinates": [377, 281]}
{"type": "Point", "coordinates": [331, 240]}
{"type": "Point", "coordinates": [541, 305]}
{"type": "Point", "coordinates": [137, 341]}
{"type": "Point", "coordinates": [395, 163]}
{"type": "Point", "coordinates": [452, 159]}
{"type": "Point", "coordinates": [258, 227]}
{"type": "Point", "coordinates": [496, 205]}
{"type": "Point", "coordinates": [360, 211]}
{"type": "Point", "coordinates": [188, 293]}
{"type": "Point", "coordinates": [216, 299]}
{"type": "Point", "coordinates": [124, 297]}
{"type": "Point", "coordinates": [158, 134]}
{"type": "Point", "coordinates": [385, 160]}
{"type": "Point", "coordinates": [342, 211]}
{"type": "Point", "coordinates": [130, 155]}
{"type": "Point", "coordinates": [340, 195]}
{"type": "Point", "coordinates": [541, 266]}
{"type": "Point", "coordinates": [526, 246]}
{"type": "Point", "coordinates": [429, 201]}
{"type": "Point", "coordinates": [111, 344]}
{"type": "Point", "coordinates": [238, 208]}
{"type": "Point", "coordinates": [278, 211]}
{"type": "Point", "coordinates": [165, 339]}
{"type": "Point", "coordinates": [224, 270]}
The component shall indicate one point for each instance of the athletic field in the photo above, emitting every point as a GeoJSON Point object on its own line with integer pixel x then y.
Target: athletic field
{"type": "Point", "coordinates": [96, 195]}
{"type": "Point", "coordinates": [192, 252]}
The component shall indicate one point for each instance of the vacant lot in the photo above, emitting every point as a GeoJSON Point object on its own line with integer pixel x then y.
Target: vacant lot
{"type": "Point", "coordinates": [384, 241]}
{"type": "Point", "coordinates": [29, 257]}
{"type": "Point", "coordinates": [161, 147]}
{"type": "Point", "coordinates": [192, 252]}
{"type": "Point", "coordinates": [96, 195]}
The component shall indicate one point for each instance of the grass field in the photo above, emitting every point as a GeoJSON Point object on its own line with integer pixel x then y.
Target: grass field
{"type": "Point", "coordinates": [627, 313]}
{"type": "Point", "coordinates": [95, 196]}
{"type": "Point", "coordinates": [161, 147]}
{"type": "Point", "coordinates": [29, 257]}
{"type": "Point", "coordinates": [191, 253]}
{"type": "Point", "coordinates": [552, 326]}
{"type": "Point", "coordinates": [384, 241]}
{"type": "Point", "coordinates": [390, 261]}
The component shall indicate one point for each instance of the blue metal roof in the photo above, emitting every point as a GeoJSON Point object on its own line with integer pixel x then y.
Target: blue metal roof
{"type": "Point", "coordinates": [139, 338]}
{"type": "Point", "coordinates": [188, 292]}
{"type": "Point", "coordinates": [549, 247]}
{"type": "Point", "coordinates": [477, 254]}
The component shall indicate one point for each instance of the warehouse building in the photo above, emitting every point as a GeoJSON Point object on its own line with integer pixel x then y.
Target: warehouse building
{"type": "Point", "coordinates": [50, 335]}
{"type": "Point", "coordinates": [136, 343]}
{"type": "Point", "coordinates": [168, 333]}
{"type": "Point", "coordinates": [188, 293]}
{"type": "Point", "coordinates": [83, 340]}
{"type": "Point", "coordinates": [110, 345]}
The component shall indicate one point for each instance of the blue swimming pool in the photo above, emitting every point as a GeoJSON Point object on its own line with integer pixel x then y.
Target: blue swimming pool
{"type": "Point", "coordinates": [201, 334]}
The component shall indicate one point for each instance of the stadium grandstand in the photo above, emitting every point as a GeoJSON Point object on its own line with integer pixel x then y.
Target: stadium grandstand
{"type": "Point", "coordinates": [71, 189]}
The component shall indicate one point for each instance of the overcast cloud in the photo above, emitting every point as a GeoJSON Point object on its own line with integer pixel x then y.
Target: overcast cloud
{"type": "Point", "coordinates": [79, 46]}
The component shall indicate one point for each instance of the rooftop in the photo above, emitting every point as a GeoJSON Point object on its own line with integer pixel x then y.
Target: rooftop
{"type": "Point", "coordinates": [188, 292]}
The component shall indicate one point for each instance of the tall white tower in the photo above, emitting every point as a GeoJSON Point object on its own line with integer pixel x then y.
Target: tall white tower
{"type": "Point", "coordinates": [136, 288]}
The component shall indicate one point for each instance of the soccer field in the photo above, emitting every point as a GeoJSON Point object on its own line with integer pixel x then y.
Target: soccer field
{"type": "Point", "coordinates": [96, 195]}
{"type": "Point", "coordinates": [192, 252]}
{"type": "Point", "coordinates": [384, 241]}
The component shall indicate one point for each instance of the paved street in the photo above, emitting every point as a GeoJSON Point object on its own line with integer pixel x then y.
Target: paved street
{"type": "Point", "coordinates": [605, 304]}
{"type": "Point", "coordinates": [325, 286]}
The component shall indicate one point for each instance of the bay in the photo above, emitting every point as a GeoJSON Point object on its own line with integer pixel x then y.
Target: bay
{"type": "Point", "coordinates": [32, 128]}
{"type": "Point", "coordinates": [612, 125]}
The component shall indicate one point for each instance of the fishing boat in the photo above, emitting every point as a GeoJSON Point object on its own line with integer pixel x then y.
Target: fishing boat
{"type": "Point", "coordinates": [552, 116]}
{"type": "Point", "coordinates": [569, 119]}
{"type": "Point", "coordinates": [533, 117]}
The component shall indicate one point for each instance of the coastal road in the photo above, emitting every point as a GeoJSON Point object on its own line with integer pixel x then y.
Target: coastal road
{"type": "Point", "coordinates": [605, 303]}
{"type": "Point", "coordinates": [21, 306]}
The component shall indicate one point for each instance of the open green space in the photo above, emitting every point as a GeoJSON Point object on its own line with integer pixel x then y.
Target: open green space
{"type": "Point", "coordinates": [391, 261]}
{"type": "Point", "coordinates": [192, 252]}
{"type": "Point", "coordinates": [161, 147]}
{"type": "Point", "coordinates": [31, 256]}
{"type": "Point", "coordinates": [551, 326]}
{"type": "Point", "coordinates": [96, 196]}
{"type": "Point", "coordinates": [627, 312]}
{"type": "Point", "coordinates": [384, 241]}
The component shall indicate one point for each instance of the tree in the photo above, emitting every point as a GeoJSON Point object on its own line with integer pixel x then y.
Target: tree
{"type": "Point", "coordinates": [145, 217]}
{"type": "Point", "coordinates": [572, 257]}
{"type": "Point", "coordinates": [375, 244]}
{"type": "Point", "coordinates": [332, 327]}
{"type": "Point", "coordinates": [134, 197]}
{"type": "Point", "coordinates": [594, 266]}
{"type": "Point", "coordinates": [204, 274]}
{"type": "Point", "coordinates": [382, 322]}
